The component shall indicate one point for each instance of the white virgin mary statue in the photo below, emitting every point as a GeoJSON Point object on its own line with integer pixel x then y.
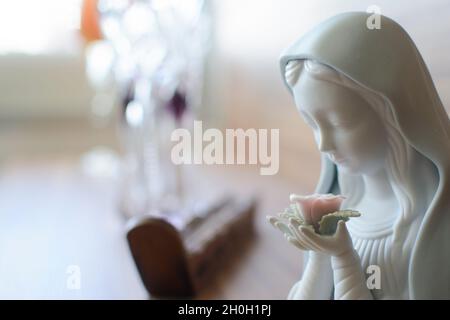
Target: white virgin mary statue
{"type": "Point", "coordinates": [385, 141]}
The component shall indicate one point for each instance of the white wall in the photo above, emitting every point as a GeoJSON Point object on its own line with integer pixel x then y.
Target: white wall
{"type": "Point", "coordinates": [43, 86]}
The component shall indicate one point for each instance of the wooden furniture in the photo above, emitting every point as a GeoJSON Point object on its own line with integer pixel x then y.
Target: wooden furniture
{"type": "Point", "coordinates": [180, 263]}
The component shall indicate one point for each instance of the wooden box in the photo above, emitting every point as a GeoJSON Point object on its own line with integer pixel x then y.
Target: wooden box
{"type": "Point", "coordinates": [179, 263]}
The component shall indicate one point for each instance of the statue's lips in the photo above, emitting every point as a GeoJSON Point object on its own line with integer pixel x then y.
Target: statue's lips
{"type": "Point", "coordinates": [337, 159]}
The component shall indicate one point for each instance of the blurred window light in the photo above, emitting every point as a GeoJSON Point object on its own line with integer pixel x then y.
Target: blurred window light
{"type": "Point", "coordinates": [39, 27]}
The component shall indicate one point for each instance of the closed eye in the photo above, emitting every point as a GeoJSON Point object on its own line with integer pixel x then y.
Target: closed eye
{"type": "Point", "coordinates": [341, 124]}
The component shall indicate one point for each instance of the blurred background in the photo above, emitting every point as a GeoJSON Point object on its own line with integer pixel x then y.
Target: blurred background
{"type": "Point", "coordinates": [89, 93]}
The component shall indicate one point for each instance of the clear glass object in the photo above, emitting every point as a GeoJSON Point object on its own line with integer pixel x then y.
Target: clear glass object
{"type": "Point", "coordinates": [160, 48]}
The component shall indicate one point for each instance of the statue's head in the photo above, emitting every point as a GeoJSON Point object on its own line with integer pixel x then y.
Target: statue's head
{"type": "Point", "coordinates": [346, 126]}
{"type": "Point", "coordinates": [352, 125]}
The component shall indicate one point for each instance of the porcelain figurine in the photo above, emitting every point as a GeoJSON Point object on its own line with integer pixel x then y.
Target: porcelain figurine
{"type": "Point", "coordinates": [384, 137]}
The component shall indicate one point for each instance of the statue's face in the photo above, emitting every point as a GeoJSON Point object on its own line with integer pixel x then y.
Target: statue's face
{"type": "Point", "coordinates": [345, 126]}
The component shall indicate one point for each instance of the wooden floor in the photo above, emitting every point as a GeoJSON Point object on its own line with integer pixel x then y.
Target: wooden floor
{"type": "Point", "coordinates": [53, 215]}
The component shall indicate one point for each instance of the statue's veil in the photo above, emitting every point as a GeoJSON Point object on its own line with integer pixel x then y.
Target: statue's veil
{"type": "Point", "coordinates": [386, 61]}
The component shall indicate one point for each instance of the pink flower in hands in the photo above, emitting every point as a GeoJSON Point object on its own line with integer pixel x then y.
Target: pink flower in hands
{"type": "Point", "coordinates": [314, 207]}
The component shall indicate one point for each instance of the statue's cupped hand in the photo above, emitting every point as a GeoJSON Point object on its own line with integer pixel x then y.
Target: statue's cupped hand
{"type": "Point", "coordinates": [300, 224]}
